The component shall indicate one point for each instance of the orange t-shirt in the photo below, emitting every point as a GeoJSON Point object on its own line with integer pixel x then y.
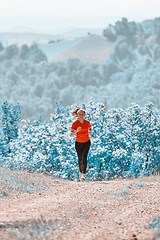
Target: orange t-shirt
{"type": "Point", "coordinates": [82, 135]}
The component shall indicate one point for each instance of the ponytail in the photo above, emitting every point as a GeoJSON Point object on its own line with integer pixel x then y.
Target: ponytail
{"type": "Point", "coordinates": [75, 112]}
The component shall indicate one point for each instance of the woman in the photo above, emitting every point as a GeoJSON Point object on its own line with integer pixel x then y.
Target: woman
{"type": "Point", "coordinates": [82, 129]}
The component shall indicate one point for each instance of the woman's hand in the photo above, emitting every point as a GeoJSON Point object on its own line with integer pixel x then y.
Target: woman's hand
{"type": "Point", "coordinates": [75, 131]}
{"type": "Point", "coordinates": [79, 129]}
{"type": "Point", "coordinates": [89, 131]}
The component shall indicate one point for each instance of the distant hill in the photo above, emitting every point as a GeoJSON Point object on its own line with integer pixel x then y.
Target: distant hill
{"type": "Point", "coordinates": [8, 38]}
{"type": "Point", "coordinates": [28, 36]}
{"type": "Point", "coordinates": [81, 32]}
{"type": "Point", "coordinates": [92, 48]}
{"type": "Point", "coordinates": [88, 47]}
{"type": "Point", "coordinates": [58, 47]}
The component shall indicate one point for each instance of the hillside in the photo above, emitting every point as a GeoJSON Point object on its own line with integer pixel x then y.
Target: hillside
{"type": "Point", "coordinates": [59, 47]}
{"type": "Point", "coordinates": [117, 74]}
{"type": "Point", "coordinates": [8, 38]}
{"type": "Point", "coordinates": [93, 48]}
{"type": "Point", "coordinates": [88, 47]}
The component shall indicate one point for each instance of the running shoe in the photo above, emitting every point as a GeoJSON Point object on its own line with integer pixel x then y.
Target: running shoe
{"type": "Point", "coordinates": [82, 177]}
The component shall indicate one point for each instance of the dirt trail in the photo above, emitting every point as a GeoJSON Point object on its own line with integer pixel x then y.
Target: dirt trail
{"type": "Point", "coordinates": [119, 209]}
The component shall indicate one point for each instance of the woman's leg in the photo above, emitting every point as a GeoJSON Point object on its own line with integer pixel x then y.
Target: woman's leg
{"type": "Point", "coordinates": [85, 154]}
{"type": "Point", "coordinates": [82, 152]}
{"type": "Point", "coordinates": [79, 148]}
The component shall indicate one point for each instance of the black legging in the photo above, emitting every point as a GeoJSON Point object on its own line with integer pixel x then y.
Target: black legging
{"type": "Point", "coordinates": [82, 150]}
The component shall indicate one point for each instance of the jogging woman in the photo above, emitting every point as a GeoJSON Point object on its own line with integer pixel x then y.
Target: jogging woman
{"type": "Point", "coordinates": [82, 129]}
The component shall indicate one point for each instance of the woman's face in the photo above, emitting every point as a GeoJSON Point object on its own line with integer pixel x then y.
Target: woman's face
{"type": "Point", "coordinates": [81, 114]}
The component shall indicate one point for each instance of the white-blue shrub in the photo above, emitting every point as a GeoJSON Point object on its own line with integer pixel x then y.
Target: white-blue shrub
{"type": "Point", "coordinates": [125, 143]}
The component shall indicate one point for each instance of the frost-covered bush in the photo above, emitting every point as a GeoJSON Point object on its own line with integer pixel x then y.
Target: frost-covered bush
{"type": "Point", "coordinates": [108, 69]}
{"type": "Point", "coordinates": [10, 119]}
{"type": "Point", "coordinates": [156, 52]}
{"type": "Point", "coordinates": [123, 28]}
{"type": "Point", "coordinates": [122, 50]}
{"type": "Point", "coordinates": [144, 49]}
{"type": "Point", "coordinates": [24, 52]}
{"type": "Point", "coordinates": [36, 54]}
{"type": "Point", "coordinates": [110, 33]}
{"type": "Point", "coordinates": [3, 147]}
{"type": "Point", "coordinates": [1, 47]}
{"type": "Point", "coordinates": [125, 143]}
{"type": "Point", "coordinates": [8, 52]}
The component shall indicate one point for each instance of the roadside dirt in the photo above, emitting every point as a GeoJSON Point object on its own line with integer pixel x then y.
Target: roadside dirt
{"type": "Point", "coordinates": [36, 206]}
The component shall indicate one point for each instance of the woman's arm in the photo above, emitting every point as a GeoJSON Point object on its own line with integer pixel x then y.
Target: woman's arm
{"type": "Point", "coordinates": [73, 131]}
{"type": "Point", "coordinates": [90, 131]}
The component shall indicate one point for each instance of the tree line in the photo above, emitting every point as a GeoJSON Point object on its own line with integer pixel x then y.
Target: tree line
{"type": "Point", "coordinates": [125, 143]}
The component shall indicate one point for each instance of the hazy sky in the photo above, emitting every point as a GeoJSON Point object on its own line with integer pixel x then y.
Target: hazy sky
{"type": "Point", "coordinates": [76, 7]}
{"type": "Point", "coordinates": [38, 13]}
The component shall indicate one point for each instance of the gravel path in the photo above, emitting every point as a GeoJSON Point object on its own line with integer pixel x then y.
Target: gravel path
{"type": "Point", "coordinates": [35, 206]}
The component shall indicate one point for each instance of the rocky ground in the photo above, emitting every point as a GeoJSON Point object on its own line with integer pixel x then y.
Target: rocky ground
{"type": "Point", "coordinates": [36, 206]}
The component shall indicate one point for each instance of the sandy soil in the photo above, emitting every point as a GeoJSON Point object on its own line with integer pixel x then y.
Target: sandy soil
{"type": "Point", "coordinates": [35, 206]}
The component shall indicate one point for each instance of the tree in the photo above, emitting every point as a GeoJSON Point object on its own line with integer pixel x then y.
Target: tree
{"type": "Point", "coordinates": [1, 47]}
{"type": "Point", "coordinates": [10, 120]}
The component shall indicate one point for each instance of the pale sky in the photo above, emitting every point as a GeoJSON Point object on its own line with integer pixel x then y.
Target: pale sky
{"type": "Point", "coordinates": [75, 7]}
{"type": "Point", "coordinates": [28, 12]}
